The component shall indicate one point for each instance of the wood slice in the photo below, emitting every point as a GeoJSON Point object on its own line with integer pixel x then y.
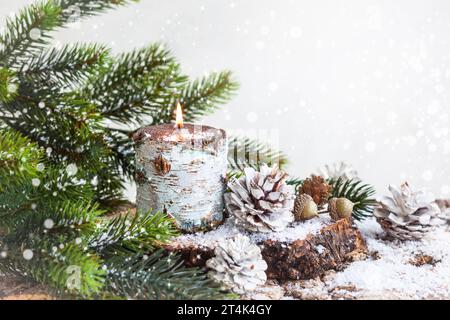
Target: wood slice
{"type": "Point", "coordinates": [329, 248]}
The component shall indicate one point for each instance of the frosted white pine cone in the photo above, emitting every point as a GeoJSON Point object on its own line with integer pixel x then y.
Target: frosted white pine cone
{"type": "Point", "coordinates": [261, 201]}
{"type": "Point", "coordinates": [407, 215]}
{"type": "Point", "coordinates": [238, 265]}
{"type": "Point", "coordinates": [338, 170]}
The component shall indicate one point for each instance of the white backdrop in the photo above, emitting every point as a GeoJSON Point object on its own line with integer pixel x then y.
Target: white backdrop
{"type": "Point", "coordinates": [363, 81]}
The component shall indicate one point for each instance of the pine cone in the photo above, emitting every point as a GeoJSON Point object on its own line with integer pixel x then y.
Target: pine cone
{"type": "Point", "coordinates": [407, 215]}
{"type": "Point", "coordinates": [238, 265]}
{"type": "Point", "coordinates": [317, 188]}
{"type": "Point", "coordinates": [340, 208]}
{"type": "Point", "coordinates": [340, 170]}
{"type": "Point", "coordinates": [261, 201]}
{"type": "Point", "coordinates": [304, 207]}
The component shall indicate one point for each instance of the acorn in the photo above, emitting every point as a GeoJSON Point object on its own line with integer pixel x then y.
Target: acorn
{"type": "Point", "coordinates": [340, 208]}
{"type": "Point", "coordinates": [305, 208]}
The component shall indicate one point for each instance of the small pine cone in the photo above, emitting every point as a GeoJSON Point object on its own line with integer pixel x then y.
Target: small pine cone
{"type": "Point", "coordinates": [260, 201]}
{"type": "Point", "coordinates": [238, 265]}
{"type": "Point", "coordinates": [407, 214]}
{"type": "Point", "coordinates": [317, 188]}
{"type": "Point", "coordinates": [340, 208]}
{"type": "Point", "coordinates": [340, 170]}
{"type": "Point", "coordinates": [304, 207]}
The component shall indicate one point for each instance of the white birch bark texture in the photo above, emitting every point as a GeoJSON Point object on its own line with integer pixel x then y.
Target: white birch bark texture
{"type": "Point", "coordinates": [182, 172]}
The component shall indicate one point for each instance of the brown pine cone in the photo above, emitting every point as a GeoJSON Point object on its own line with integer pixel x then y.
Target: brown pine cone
{"type": "Point", "coordinates": [317, 188]}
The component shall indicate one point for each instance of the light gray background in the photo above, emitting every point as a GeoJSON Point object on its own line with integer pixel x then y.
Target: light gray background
{"type": "Point", "coordinates": [363, 81]}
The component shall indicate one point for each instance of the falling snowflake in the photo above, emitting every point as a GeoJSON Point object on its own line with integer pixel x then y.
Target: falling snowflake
{"type": "Point", "coordinates": [72, 169]}
{"type": "Point", "coordinates": [35, 182]}
{"type": "Point", "coordinates": [28, 254]}
{"type": "Point", "coordinates": [35, 34]}
{"type": "Point", "coordinates": [48, 223]}
{"type": "Point", "coordinates": [94, 181]}
{"type": "Point", "coordinates": [12, 87]}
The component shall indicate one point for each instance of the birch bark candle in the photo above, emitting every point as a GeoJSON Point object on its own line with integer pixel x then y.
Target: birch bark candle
{"type": "Point", "coordinates": [181, 170]}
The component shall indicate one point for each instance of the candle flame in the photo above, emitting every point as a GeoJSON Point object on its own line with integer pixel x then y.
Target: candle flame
{"type": "Point", "coordinates": [179, 116]}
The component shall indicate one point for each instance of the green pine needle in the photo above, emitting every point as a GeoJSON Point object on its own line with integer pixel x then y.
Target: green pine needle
{"type": "Point", "coordinates": [18, 159]}
{"type": "Point", "coordinates": [159, 276]}
{"type": "Point", "coordinates": [29, 31]}
{"type": "Point", "coordinates": [132, 233]}
{"type": "Point", "coordinates": [62, 265]}
{"type": "Point", "coordinates": [68, 66]}
{"type": "Point", "coordinates": [202, 96]}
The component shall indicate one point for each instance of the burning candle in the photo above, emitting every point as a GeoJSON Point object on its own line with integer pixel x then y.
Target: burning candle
{"type": "Point", "coordinates": [180, 170]}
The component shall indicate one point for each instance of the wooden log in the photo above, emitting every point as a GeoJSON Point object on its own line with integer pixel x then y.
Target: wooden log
{"type": "Point", "coordinates": [308, 258]}
{"type": "Point", "coordinates": [329, 248]}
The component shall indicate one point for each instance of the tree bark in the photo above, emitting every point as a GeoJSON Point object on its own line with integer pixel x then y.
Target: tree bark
{"type": "Point", "coordinates": [330, 248]}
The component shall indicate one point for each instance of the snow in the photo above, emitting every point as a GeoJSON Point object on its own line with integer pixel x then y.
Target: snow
{"type": "Point", "coordinates": [298, 230]}
{"type": "Point", "coordinates": [388, 271]}
{"type": "Point", "coordinates": [393, 270]}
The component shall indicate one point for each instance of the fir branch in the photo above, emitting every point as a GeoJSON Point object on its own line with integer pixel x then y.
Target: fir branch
{"type": "Point", "coordinates": [45, 191]}
{"type": "Point", "coordinates": [245, 152]}
{"type": "Point", "coordinates": [356, 191]}
{"type": "Point", "coordinates": [202, 96]}
{"type": "Point", "coordinates": [72, 133]}
{"type": "Point", "coordinates": [136, 85]}
{"type": "Point", "coordinates": [159, 276]}
{"type": "Point", "coordinates": [67, 66]}
{"type": "Point", "coordinates": [128, 234]}
{"type": "Point", "coordinates": [66, 217]}
{"type": "Point", "coordinates": [8, 84]}
{"type": "Point", "coordinates": [16, 40]}
{"type": "Point", "coordinates": [19, 42]}
{"type": "Point", "coordinates": [123, 149]}
{"type": "Point", "coordinates": [18, 159]}
{"type": "Point", "coordinates": [64, 266]}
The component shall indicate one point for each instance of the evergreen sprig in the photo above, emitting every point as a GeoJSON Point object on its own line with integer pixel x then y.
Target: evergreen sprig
{"type": "Point", "coordinates": [67, 66]}
{"type": "Point", "coordinates": [62, 265]}
{"type": "Point", "coordinates": [29, 31]}
{"type": "Point", "coordinates": [132, 233]}
{"type": "Point", "coordinates": [19, 159]}
{"type": "Point", "coordinates": [134, 84]}
{"type": "Point", "coordinates": [160, 276]}
{"type": "Point", "coordinates": [202, 96]}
